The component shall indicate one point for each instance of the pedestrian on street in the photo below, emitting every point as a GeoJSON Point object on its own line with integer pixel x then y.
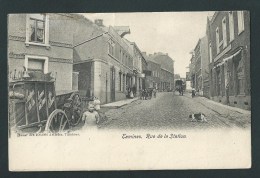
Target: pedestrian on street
{"type": "Point", "coordinates": [193, 92]}
{"type": "Point", "coordinates": [145, 94]}
{"type": "Point", "coordinates": [102, 115]}
{"type": "Point", "coordinates": [154, 92]}
{"type": "Point", "coordinates": [90, 118]}
{"type": "Point", "coordinates": [134, 90]}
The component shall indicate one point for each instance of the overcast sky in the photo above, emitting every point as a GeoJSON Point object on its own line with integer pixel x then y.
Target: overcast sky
{"type": "Point", "coordinates": [175, 33]}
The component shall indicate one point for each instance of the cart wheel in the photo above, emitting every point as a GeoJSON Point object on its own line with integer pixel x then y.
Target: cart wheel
{"type": "Point", "coordinates": [57, 122]}
{"type": "Point", "coordinates": [75, 112]}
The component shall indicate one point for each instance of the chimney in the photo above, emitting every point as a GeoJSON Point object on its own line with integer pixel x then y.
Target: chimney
{"type": "Point", "coordinates": [99, 22]}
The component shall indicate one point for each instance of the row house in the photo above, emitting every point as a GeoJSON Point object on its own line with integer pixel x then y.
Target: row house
{"type": "Point", "coordinates": [192, 70]}
{"type": "Point", "coordinates": [200, 64]}
{"type": "Point", "coordinates": [153, 80]}
{"type": "Point", "coordinates": [166, 74]}
{"type": "Point", "coordinates": [138, 66]}
{"type": "Point", "coordinates": [229, 57]}
{"type": "Point", "coordinates": [104, 61]}
{"type": "Point", "coordinates": [43, 43]}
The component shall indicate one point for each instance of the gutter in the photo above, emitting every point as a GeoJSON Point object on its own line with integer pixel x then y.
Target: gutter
{"type": "Point", "coordinates": [89, 39]}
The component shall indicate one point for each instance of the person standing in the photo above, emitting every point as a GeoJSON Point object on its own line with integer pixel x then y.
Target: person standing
{"type": "Point", "coordinates": [90, 118]}
{"type": "Point", "coordinates": [193, 92]}
{"type": "Point", "coordinates": [134, 90]}
{"type": "Point", "coordinates": [154, 92]}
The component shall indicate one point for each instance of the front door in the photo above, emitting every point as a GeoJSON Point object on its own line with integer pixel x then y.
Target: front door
{"type": "Point", "coordinates": [112, 87]}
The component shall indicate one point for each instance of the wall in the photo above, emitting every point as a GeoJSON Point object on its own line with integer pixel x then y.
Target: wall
{"type": "Point", "coordinates": [240, 40]}
{"type": "Point", "coordinates": [153, 67]}
{"type": "Point", "coordinates": [59, 52]}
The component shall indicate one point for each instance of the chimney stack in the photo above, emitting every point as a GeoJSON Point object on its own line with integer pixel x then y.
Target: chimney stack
{"type": "Point", "coordinates": [99, 22]}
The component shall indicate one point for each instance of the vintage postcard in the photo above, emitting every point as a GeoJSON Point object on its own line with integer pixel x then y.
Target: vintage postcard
{"type": "Point", "coordinates": [129, 91]}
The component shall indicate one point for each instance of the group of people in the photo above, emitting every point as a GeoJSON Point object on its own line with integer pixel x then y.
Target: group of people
{"type": "Point", "coordinates": [148, 93]}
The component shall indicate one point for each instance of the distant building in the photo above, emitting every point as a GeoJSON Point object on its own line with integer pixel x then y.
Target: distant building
{"type": "Point", "coordinates": [204, 66]}
{"type": "Point", "coordinates": [201, 67]}
{"type": "Point", "coordinates": [192, 71]}
{"type": "Point", "coordinates": [167, 70]}
{"type": "Point", "coordinates": [177, 77]}
{"type": "Point", "coordinates": [153, 80]}
{"type": "Point", "coordinates": [229, 55]}
{"type": "Point", "coordinates": [139, 64]}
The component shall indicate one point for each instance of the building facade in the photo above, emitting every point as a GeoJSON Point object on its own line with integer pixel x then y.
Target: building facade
{"type": "Point", "coordinates": [138, 63]}
{"type": "Point", "coordinates": [200, 68]}
{"type": "Point", "coordinates": [204, 66]}
{"type": "Point", "coordinates": [41, 42]}
{"type": "Point", "coordinates": [167, 70]}
{"type": "Point", "coordinates": [229, 55]}
{"type": "Point", "coordinates": [105, 61]}
{"type": "Point", "coordinates": [153, 80]}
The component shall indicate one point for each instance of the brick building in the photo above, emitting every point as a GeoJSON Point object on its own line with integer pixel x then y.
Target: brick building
{"type": "Point", "coordinates": [153, 80]}
{"type": "Point", "coordinates": [139, 63]}
{"type": "Point", "coordinates": [200, 64]}
{"type": "Point", "coordinates": [192, 70]}
{"type": "Point", "coordinates": [42, 42]}
{"type": "Point", "coordinates": [229, 54]}
{"type": "Point", "coordinates": [166, 72]}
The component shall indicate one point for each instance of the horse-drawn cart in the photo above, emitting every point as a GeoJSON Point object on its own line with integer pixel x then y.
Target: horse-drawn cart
{"type": "Point", "coordinates": [35, 106]}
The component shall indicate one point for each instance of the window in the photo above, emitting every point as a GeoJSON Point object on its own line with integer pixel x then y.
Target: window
{"type": "Point", "coordinates": [120, 81]}
{"type": "Point", "coordinates": [217, 40]}
{"type": "Point", "coordinates": [111, 47]}
{"type": "Point", "coordinates": [36, 63]}
{"type": "Point", "coordinates": [37, 32]}
{"type": "Point", "coordinates": [123, 58]}
{"type": "Point", "coordinates": [210, 53]}
{"type": "Point", "coordinates": [231, 26]}
{"type": "Point", "coordinates": [240, 21]}
{"type": "Point", "coordinates": [240, 77]}
{"type": "Point", "coordinates": [124, 82]}
{"type": "Point", "coordinates": [224, 31]}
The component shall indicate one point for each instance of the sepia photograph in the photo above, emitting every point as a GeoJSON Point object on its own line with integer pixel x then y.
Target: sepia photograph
{"type": "Point", "coordinates": [129, 91]}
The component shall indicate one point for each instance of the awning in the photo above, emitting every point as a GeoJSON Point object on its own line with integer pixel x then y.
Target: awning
{"type": "Point", "coordinates": [228, 58]}
{"type": "Point", "coordinates": [141, 75]}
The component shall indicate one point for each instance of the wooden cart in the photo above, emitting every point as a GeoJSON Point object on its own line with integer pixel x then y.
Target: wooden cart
{"type": "Point", "coordinates": [34, 106]}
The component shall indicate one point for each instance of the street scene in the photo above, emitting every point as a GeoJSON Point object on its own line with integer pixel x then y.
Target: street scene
{"type": "Point", "coordinates": [158, 113]}
{"type": "Point", "coordinates": [129, 71]}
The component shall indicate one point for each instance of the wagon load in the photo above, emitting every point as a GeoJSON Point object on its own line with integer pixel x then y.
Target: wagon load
{"type": "Point", "coordinates": [35, 106]}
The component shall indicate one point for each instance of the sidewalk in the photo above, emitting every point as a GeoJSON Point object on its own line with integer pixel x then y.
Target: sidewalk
{"type": "Point", "coordinates": [207, 102]}
{"type": "Point", "coordinates": [119, 104]}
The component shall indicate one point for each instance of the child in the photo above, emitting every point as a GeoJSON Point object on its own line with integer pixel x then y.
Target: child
{"type": "Point", "coordinates": [90, 118]}
{"type": "Point", "coordinates": [102, 116]}
{"type": "Point", "coordinates": [96, 103]}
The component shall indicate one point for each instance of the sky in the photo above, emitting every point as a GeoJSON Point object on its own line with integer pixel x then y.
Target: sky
{"type": "Point", "coordinates": [175, 33]}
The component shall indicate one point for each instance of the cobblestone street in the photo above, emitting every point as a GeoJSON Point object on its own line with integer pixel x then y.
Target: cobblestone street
{"type": "Point", "coordinates": [169, 111]}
